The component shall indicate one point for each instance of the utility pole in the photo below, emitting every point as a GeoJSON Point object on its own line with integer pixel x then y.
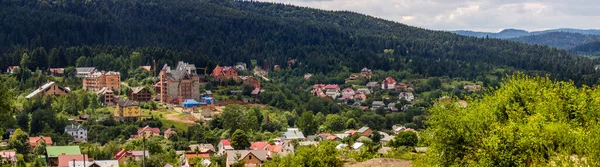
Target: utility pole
{"type": "Point", "coordinates": [144, 151]}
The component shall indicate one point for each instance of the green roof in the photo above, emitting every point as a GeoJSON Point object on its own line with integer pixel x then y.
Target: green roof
{"type": "Point", "coordinates": [55, 151]}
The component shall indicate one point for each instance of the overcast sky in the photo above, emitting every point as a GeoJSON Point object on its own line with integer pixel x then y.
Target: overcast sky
{"type": "Point", "coordinates": [480, 15]}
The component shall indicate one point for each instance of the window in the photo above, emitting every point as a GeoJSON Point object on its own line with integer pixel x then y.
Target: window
{"type": "Point", "coordinates": [249, 156]}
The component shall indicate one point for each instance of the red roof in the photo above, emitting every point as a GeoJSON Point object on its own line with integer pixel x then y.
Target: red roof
{"type": "Point", "coordinates": [259, 145]}
{"type": "Point", "coordinates": [148, 128]}
{"type": "Point", "coordinates": [122, 153]}
{"type": "Point", "coordinates": [63, 160]}
{"type": "Point", "coordinates": [275, 148]}
{"type": "Point", "coordinates": [347, 97]}
{"type": "Point", "coordinates": [348, 90]}
{"type": "Point", "coordinates": [170, 131]}
{"type": "Point", "coordinates": [332, 86]}
{"type": "Point", "coordinates": [226, 142]}
{"type": "Point", "coordinates": [389, 80]}
{"type": "Point", "coordinates": [317, 86]}
{"type": "Point", "coordinates": [33, 141]}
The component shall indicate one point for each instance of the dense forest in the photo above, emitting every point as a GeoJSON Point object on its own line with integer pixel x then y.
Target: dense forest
{"type": "Point", "coordinates": [561, 40]}
{"type": "Point", "coordinates": [588, 49]}
{"type": "Point", "coordinates": [232, 31]}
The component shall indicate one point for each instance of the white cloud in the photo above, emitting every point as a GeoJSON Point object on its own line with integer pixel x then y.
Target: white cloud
{"type": "Point", "coordinates": [483, 15]}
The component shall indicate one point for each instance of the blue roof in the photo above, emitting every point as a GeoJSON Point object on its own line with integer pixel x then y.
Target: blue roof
{"type": "Point", "coordinates": [190, 103]}
{"type": "Point", "coordinates": [208, 100]}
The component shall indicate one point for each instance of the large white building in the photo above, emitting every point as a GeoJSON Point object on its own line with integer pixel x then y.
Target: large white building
{"type": "Point", "coordinates": [78, 132]}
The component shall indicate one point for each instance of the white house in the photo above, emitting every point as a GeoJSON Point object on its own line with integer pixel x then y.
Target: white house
{"type": "Point", "coordinates": [408, 96]}
{"type": "Point", "coordinates": [224, 145]}
{"type": "Point", "coordinates": [78, 132]}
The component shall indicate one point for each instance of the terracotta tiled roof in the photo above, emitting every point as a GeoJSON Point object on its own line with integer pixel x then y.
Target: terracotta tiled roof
{"type": "Point", "coordinates": [226, 142]}
{"type": "Point", "coordinates": [34, 140]}
{"type": "Point", "coordinates": [63, 160]}
{"type": "Point", "coordinates": [259, 145]}
{"type": "Point", "coordinates": [148, 128]}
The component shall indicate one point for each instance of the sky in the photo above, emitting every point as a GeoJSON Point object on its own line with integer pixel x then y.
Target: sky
{"type": "Point", "coordinates": [477, 15]}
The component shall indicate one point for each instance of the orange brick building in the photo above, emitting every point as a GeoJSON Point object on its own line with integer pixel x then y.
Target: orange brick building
{"type": "Point", "coordinates": [98, 80]}
{"type": "Point", "coordinates": [225, 72]}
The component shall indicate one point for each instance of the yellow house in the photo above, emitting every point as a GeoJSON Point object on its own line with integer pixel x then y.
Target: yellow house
{"type": "Point", "coordinates": [128, 110]}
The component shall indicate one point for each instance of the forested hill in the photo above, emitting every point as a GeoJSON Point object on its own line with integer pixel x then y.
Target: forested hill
{"type": "Point", "coordinates": [562, 40]}
{"type": "Point", "coordinates": [588, 49]}
{"type": "Point", "coordinates": [225, 31]}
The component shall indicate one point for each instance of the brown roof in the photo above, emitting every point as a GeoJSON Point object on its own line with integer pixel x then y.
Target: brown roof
{"type": "Point", "coordinates": [127, 103]}
{"type": "Point", "coordinates": [259, 154]}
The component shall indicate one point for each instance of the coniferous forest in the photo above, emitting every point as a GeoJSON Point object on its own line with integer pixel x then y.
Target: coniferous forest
{"type": "Point", "coordinates": [104, 32]}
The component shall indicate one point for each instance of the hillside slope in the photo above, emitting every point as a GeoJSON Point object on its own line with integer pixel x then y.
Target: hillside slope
{"type": "Point", "coordinates": [561, 40]}
{"type": "Point", "coordinates": [231, 31]}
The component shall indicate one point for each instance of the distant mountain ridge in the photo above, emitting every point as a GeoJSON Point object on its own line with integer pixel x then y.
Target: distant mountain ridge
{"type": "Point", "coordinates": [561, 40]}
{"type": "Point", "coordinates": [516, 33]}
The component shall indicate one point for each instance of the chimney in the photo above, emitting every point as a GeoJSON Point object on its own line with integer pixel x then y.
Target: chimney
{"type": "Point", "coordinates": [90, 159]}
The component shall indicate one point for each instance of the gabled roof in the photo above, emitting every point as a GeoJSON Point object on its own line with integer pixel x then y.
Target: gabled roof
{"type": "Point", "coordinates": [85, 69]}
{"type": "Point", "coordinates": [232, 155]}
{"type": "Point", "coordinates": [122, 153]}
{"type": "Point", "coordinates": [137, 89]}
{"type": "Point", "coordinates": [104, 90]}
{"type": "Point", "coordinates": [169, 131]}
{"type": "Point", "coordinates": [292, 133]}
{"type": "Point", "coordinates": [55, 151]}
{"type": "Point", "coordinates": [389, 80]}
{"type": "Point", "coordinates": [259, 145]}
{"type": "Point", "coordinates": [43, 88]}
{"type": "Point", "coordinates": [148, 128]}
{"type": "Point", "coordinates": [127, 103]}
{"type": "Point", "coordinates": [63, 160]}
{"type": "Point", "coordinates": [226, 142]}
{"type": "Point", "coordinates": [34, 140]}
{"type": "Point", "coordinates": [357, 145]}
{"type": "Point", "coordinates": [72, 127]}
{"type": "Point", "coordinates": [372, 84]}
{"type": "Point", "coordinates": [202, 147]}
{"type": "Point", "coordinates": [363, 129]}
{"type": "Point", "coordinates": [332, 86]}
{"type": "Point", "coordinates": [100, 163]}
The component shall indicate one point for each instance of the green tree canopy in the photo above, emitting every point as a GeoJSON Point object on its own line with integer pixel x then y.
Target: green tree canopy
{"type": "Point", "coordinates": [307, 123]}
{"type": "Point", "coordinates": [239, 140]}
{"type": "Point", "coordinates": [527, 121]}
